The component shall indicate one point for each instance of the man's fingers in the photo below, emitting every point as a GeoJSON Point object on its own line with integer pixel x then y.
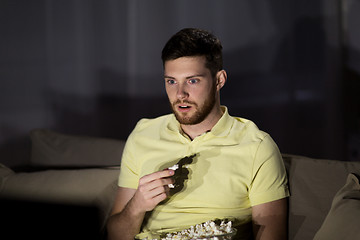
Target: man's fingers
{"type": "Point", "coordinates": [153, 188]}
{"type": "Point", "coordinates": [155, 194]}
{"type": "Point", "coordinates": [167, 190]}
{"type": "Point", "coordinates": [157, 183]}
{"type": "Point", "coordinates": [158, 191]}
{"type": "Point", "coordinates": [156, 175]}
{"type": "Point", "coordinates": [160, 197]}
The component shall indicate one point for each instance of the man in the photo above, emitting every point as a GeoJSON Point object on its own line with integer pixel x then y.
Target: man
{"type": "Point", "coordinates": [233, 170]}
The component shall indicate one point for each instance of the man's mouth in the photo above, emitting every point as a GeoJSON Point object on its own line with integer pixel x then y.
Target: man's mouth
{"type": "Point", "coordinates": [183, 108]}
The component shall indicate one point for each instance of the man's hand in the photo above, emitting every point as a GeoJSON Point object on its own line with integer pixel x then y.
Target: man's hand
{"type": "Point", "coordinates": [130, 205]}
{"type": "Point", "coordinates": [152, 189]}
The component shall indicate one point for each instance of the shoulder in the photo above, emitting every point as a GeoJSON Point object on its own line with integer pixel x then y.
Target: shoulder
{"type": "Point", "coordinates": [262, 145]}
{"type": "Point", "coordinates": [258, 142]}
{"type": "Point", "coordinates": [248, 130]}
{"type": "Point", "coordinates": [145, 131]}
{"type": "Point", "coordinates": [152, 127]}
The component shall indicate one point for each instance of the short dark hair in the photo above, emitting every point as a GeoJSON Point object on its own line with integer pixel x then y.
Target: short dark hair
{"type": "Point", "coordinates": [195, 42]}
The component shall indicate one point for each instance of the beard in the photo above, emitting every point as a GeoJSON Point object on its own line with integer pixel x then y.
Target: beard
{"type": "Point", "coordinates": [200, 112]}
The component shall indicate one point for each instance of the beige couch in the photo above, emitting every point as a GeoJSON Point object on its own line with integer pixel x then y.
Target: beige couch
{"type": "Point", "coordinates": [325, 196]}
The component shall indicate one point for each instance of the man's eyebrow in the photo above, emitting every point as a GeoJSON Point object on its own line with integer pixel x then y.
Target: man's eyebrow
{"type": "Point", "coordinates": [166, 76]}
{"type": "Point", "coordinates": [192, 76]}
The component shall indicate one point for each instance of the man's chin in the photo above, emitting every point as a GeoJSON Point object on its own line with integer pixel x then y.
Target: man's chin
{"type": "Point", "coordinates": [183, 119]}
{"type": "Point", "coordinates": [187, 120]}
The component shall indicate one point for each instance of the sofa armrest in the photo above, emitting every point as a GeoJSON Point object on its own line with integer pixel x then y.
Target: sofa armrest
{"type": "Point", "coordinates": [94, 186]}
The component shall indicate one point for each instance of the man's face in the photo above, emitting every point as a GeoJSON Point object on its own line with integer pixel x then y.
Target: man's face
{"type": "Point", "coordinates": [190, 88]}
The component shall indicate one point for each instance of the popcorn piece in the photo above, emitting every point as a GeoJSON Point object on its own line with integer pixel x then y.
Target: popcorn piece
{"type": "Point", "coordinates": [174, 167]}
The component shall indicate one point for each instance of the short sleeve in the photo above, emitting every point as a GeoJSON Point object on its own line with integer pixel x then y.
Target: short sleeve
{"type": "Point", "coordinates": [129, 173]}
{"type": "Point", "coordinates": [269, 180]}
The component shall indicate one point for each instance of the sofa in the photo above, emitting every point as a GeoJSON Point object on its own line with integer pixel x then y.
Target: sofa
{"type": "Point", "coordinates": [82, 171]}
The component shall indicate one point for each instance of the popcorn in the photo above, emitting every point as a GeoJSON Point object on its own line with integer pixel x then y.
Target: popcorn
{"type": "Point", "coordinates": [208, 230]}
{"type": "Point", "coordinates": [174, 167]}
{"type": "Point", "coordinates": [180, 172]}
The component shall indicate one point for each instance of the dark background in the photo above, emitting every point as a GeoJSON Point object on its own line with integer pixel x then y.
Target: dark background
{"type": "Point", "coordinates": [93, 68]}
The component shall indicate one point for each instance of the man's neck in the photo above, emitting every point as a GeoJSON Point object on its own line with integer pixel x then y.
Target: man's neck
{"type": "Point", "coordinates": [206, 125]}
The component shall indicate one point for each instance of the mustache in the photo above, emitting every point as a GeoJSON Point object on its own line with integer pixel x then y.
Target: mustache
{"type": "Point", "coordinates": [184, 102]}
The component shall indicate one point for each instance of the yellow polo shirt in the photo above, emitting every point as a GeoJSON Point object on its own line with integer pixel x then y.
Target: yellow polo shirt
{"type": "Point", "coordinates": [236, 167]}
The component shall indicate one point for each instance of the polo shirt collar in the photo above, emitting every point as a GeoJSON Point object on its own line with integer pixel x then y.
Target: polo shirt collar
{"type": "Point", "coordinates": [223, 126]}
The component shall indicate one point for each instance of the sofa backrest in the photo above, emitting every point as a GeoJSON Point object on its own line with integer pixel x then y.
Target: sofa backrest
{"type": "Point", "coordinates": [53, 149]}
{"type": "Point", "coordinates": [313, 184]}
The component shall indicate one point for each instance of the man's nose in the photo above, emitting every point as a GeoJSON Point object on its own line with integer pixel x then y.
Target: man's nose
{"type": "Point", "coordinates": [182, 92]}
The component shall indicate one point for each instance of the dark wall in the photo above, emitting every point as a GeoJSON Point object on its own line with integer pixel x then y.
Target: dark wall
{"type": "Point", "coordinates": [93, 68]}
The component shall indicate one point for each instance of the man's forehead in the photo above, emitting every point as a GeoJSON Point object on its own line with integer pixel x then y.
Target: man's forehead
{"type": "Point", "coordinates": [188, 66]}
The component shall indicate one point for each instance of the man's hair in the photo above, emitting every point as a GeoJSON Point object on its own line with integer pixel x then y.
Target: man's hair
{"type": "Point", "coordinates": [191, 42]}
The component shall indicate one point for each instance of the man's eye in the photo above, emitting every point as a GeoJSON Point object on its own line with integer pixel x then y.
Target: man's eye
{"type": "Point", "coordinates": [192, 81]}
{"type": "Point", "coordinates": [170, 81]}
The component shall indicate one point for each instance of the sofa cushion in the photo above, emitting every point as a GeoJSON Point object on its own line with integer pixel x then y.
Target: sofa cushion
{"type": "Point", "coordinates": [313, 184]}
{"type": "Point", "coordinates": [50, 148]}
{"type": "Point", "coordinates": [95, 186]}
{"type": "Point", "coordinates": [342, 221]}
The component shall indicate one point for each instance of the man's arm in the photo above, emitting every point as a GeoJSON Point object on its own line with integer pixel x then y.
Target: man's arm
{"type": "Point", "coordinates": [131, 205]}
{"type": "Point", "coordinates": [270, 220]}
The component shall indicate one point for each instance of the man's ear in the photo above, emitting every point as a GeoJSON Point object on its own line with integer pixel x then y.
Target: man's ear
{"type": "Point", "coordinates": [221, 77]}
